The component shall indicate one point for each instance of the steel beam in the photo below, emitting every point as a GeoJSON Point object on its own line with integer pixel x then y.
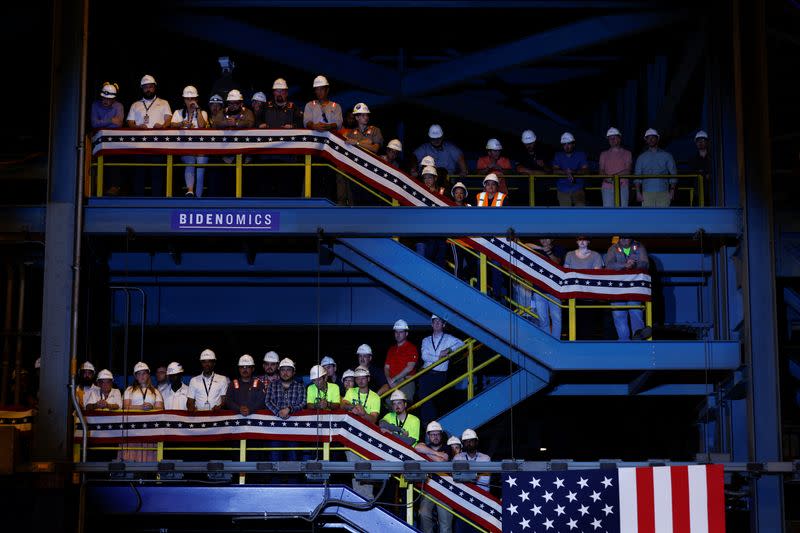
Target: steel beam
{"type": "Point", "coordinates": [153, 217]}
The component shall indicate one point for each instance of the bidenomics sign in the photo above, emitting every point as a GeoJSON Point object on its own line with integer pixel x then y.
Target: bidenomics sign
{"type": "Point", "coordinates": [225, 220]}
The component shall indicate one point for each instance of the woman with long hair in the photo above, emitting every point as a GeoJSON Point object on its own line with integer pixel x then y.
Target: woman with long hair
{"type": "Point", "coordinates": [141, 396]}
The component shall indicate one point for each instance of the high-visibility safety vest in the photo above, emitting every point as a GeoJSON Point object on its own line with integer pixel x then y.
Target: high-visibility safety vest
{"type": "Point", "coordinates": [497, 201]}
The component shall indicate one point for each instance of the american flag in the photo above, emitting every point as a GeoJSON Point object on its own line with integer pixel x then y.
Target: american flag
{"type": "Point", "coordinates": [668, 499]}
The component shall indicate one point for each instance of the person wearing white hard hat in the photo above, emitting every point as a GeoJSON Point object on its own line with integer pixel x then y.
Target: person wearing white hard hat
{"type": "Point", "coordinates": [628, 255]}
{"type": "Point", "coordinates": [234, 116]}
{"type": "Point", "coordinates": [288, 395]}
{"type": "Point", "coordinates": [140, 396]}
{"type": "Point", "coordinates": [455, 445]}
{"type": "Point", "coordinates": [107, 112]}
{"type": "Point", "coordinates": [270, 365]}
{"type": "Point", "coordinates": [106, 396]}
{"type": "Point", "coordinates": [364, 135]}
{"type": "Point", "coordinates": [469, 441]}
{"type": "Point", "coordinates": [280, 113]}
{"type": "Point", "coordinates": [491, 196]}
{"type": "Point", "coordinates": [655, 192]}
{"type": "Point", "coordinates": [257, 103]}
{"type": "Point", "coordinates": [570, 163]}
{"type": "Point", "coordinates": [433, 349]}
{"type": "Point", "coordinates": [700, 161]}
{"type": "Point", "coordinates": [245, 394]}
{"type": "Point", "coordinates": [447, 155]}
{"type": "Point", "coordinates": [151, 112]}
{"type": "Point", "coordinates": [401, 359]}
{"type": "Point", "coordinates": [616, 161]}
{"type": "Point", "coordinates": [348, 380]}
{"type": "Point", "coordinates": [84, 384]}
{"type": "Point", "coordinates": [329, 365]}
{"type": "Point", "coordinates": [459, 194]}
{"type": "Point", "coordinates": [494, 162]}
{"type": "Point", "coordinates": [207, 390]}
{"type": "Point", "coordinates": [399, 422]}
{"type": "Point", "coordinates": [377, 376]}
{"type": "Point", "coordinates": [321, 114]}
{"type": "Point", "coordinates": [430, 513]}
{"type": "Point", "coordinates": [177, 394]}
{"type": "Point", "coordinates": [215, 104]}
{"type": "Point", "coordinates": [432, 248]}
{"type": "Point", "coordinates": [531, 161]}
{"type": "Point", "coordinates": [321, 394]}
{"type": "Point", "coordinates": [365, 403]}
{"type": "Point", "coordinates": [394, 149]}
{"type": "Point", "coordinates": [191, 117]}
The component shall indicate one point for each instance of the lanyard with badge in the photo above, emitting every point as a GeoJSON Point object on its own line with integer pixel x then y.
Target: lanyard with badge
{"type": "Point", "coordinates": [366, 398]}
{"type": "Point", "coordinates": [208, 390]}
{"type": "Point", "coordinates": [436, 345]}
{"type": "Point", "coordinates": [147, 109]}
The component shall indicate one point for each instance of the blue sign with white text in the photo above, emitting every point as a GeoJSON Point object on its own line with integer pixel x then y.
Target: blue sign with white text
{"type": "Point", "coordinates": [224, 219]}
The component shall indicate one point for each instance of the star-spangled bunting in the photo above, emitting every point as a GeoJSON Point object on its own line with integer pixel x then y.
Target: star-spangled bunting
{"type": "Point", "coordinates": [562, 283]}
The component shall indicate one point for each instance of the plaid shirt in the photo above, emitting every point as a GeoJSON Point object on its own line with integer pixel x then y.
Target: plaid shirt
{"type": "Point", "coordinates": [279, 397]}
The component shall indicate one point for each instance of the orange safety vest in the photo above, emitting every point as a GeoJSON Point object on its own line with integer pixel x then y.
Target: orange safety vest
{"type": "Point", "coordinates": [497, 201]}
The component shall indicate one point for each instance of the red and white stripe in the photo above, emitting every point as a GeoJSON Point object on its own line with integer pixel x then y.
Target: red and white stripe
{"type": "Point", "coordinates": [672, 499]}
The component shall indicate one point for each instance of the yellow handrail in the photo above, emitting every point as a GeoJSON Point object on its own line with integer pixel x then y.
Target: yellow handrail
{"type": "Point", "coordinates": [451, 511]}
{"type": "Point", "coordinates": [453, 383]}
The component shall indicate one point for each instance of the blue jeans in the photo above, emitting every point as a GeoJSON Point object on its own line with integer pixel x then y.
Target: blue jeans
{"type": "Point", "coordinates": [621, 320]}
{"type": "Point", "coordinates": [549, 315]}
{"type": "Point", "coordinates": [189, 173]}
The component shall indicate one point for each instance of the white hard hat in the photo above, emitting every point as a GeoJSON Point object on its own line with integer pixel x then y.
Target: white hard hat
{"type": "Point", "coordinates": [234, 96]}
{"type": "Point", "coordinates": [428, 161]}
{"type": "Point", "coordinates": [429, 170]}
{"type": "Point", "coordinates": [208, 355]}
{"type": "Point", "coordinates": [280, 83]}
{"type": "Point", "coordinates": [108, 91]}
{"type": "Point", "coordinates": [105, 374]}
{"type": "Point", "coordinates": [400, 325]}
{"type": "Point", "coordinates": [613, 131]}
{"type": "Point", "coordinates": [327, 360]}
{"type": "Point", "coordinates": [700, 135]}
{"type": "Point", "coordinates": [453, 440]}
{"type": "Point", "coordinates": [493, 144]}
{"type": "Point", "coordinates": [364, 349]}
{"type": "Point", "coordinates": [320, 81]}
{"type": "Point", "coordinates": [216, 99]}
{"type": "Point", "coordinates": [398, 395]}
{"type": "Point", "coordinates": [651, 131]}
{"type": "Point", "coordinates": [567, 137]}
{"type": "Point", "coordinates": [361, 372]}
{"type": "Point", "coordinates": [433, 426]}
{"type": "Point", "coordinates": [190, 91]}
{"type": "Point", "coordinates": [459, 185]}
{"type": "Point", "coordinates": [316, 372]}
{"type": "Point", "coordinates": [434, 317]}
{"type": "Point", "coordinates": [138, 367]}
{"type": "Point", "coordinates": [174, 368]}
{"type": "Point", "coordinates": [360, 107]}
{"type": "Point", "coordinates": [87, 366]}
{"type": "Point", "coordinates": [246, 360]}
{"type": "Point", "coordinates": [348, 374]}
{"type": "Point", "coordinates": [395, 144]}
{"type": "Point", "coordinates": [435, 132]}
{"type": "Point", "coordinates": [286, 362]}
{"type": "Point", "coordinates": [469, 434]}
{"type": "Point", "coordinates": [271, 357]}
{"type": "Point", "coordinates": [259, 97]}
{"type": "Point", "coordinates": [491, 177]}
{"type": "Point", "coordinates": [528, 137]}
{"type": "Point", "coordinates": [147, 78]}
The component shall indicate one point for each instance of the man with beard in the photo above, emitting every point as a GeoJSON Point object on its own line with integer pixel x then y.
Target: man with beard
{"type": "Point", "coordinates": [280, 113]}
{"type": "Point", "coordinates": [400, 422]}
{"type": "Point", "coordinates": [234, 116]}
{"type": "Point", "coordinates": [364, 403]}
{"type": "Point", "coordinates": [377, 377]}
{"type": "Point", "coordinates": [86, 382]}
{"type": "Point", "coordinates": [177, 393]}
{"type": "Point", "coordinates": [321, 114]}
{"type": "Point", "coordinates": [270, 370]}
{"type": "Point", "coordinates": [469, 441]}
{"type": "Point", "coordinates": [151, 112]}
{"type": "Point", "coordinates": [436, 449]}
{"type": "Point", "coordinates": [207, 391]}
{"type": "Point", "coordinates": [245, 394]}
{"type": "Point", "coordinates": [322, 394]}
{"type": "Point", "coordinates": [284, 398]}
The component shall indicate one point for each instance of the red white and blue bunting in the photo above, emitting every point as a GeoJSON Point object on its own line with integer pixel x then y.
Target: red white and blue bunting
{"type": "Point", "coordinates": [558, 281]}
{"type": "Point", "coordinates": [21, 418]}
{"type": "Point", "coordinates": [305, 426]}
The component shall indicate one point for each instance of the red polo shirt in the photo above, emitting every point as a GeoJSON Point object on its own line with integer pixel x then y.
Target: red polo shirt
{"type": "Point", "coordinates": [399, 356]}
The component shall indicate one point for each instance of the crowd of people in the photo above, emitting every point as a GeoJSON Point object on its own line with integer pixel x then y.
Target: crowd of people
{"type": "Point", "coordinates": [654, 170]}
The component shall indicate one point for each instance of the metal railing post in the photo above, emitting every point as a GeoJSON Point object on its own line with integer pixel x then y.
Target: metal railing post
{"type": "Point", "coordinates": [470, 370]}
{"type": "Point", "coordinates": [239, 175]}
{"type": "Point", "coordinates": [701, 192]}
{"type": "Point", "coordinates": [532, 190]}
{"type": "Point", "coordinates": [307, 177]}
{"type": "Point", "coordinates": [326, 451]}
{"type": "Point", "coordinates": [410, 504]}
{"type": "Point", "coordinates": [99, 176]}
{"type": "Point", "coordinates": [573, 322]}
{"type": "Point", "coordinates": [242, 457]}
{"type": "Point", "coordinates": [160, 451]}
{"type": "Point", "coordinates": [482, 274]}
{"type": "Point", "coordinates": [617, 200]}
{"type": "Point", "coordinates": [648, 316]}
{"type": "Point", "coordinates": [169, 175]}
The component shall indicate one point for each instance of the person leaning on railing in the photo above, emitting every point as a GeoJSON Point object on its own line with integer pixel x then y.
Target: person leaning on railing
{"type": "Point", "coordinates": [433, 348]}
{"type": "Point", "coordinates": [401, 359]}
{"type": "Point", "coordinates": [615, 161]}
{"type": "Point", "coordinates": [141, 396]}
{"type": "Point", "coordinates": [364, 403]}
{"type": "Point", "coordinates": [655, 192]}
{"type": "Point", "coordinates": [188, 118]}
{"type": "Point", "coordinates": [570, 163]}
{"type": "Point", "coordinates": [628, 254]}
{"type": "Point", "coordinates": [151, 112]}
{"type": "Point", "coordinates": [364, 135]}
{"type": "Point", "coordinates": [435, 449]}
{"type": "Point", "coordinates": [320, 394]}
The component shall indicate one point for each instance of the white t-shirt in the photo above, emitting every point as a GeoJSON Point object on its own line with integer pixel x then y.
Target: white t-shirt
{"type": "Point", "coordinates": [430, 348]}
{"type": "Point", "coordinates": [208, 392]}
{"type": "Point", "coordinates": [95, 395]}
{"type": "Point", "coordinates": [180, 116]}
{"type": "Point", "coordinates": [157, 111]}
{"type": "Point", "coordinates": [176, 400]}
{"type": "Point", "coordinates": [139, 397]}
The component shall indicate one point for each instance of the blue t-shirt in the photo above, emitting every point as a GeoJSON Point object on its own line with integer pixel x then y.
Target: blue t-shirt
{"type": "Point", "coordinates": [573, 162]}
{"type": "Point", "coordinates": [446, 156]}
